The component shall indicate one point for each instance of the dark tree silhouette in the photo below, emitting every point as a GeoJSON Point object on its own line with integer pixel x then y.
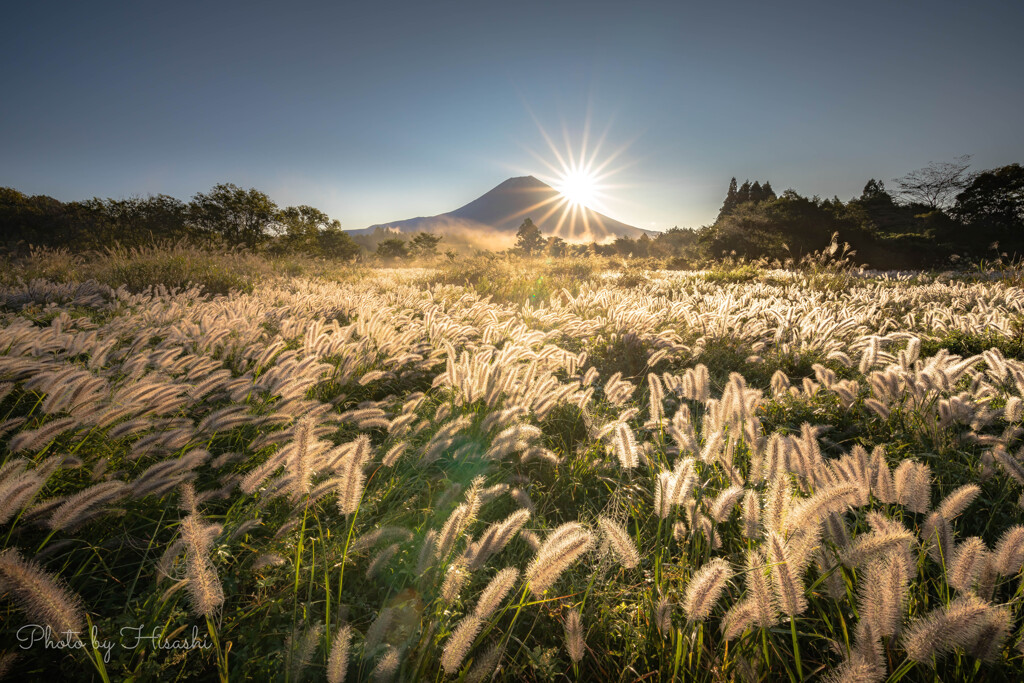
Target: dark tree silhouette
{"type": "Point", "coordinates": [936, 184]}
{"type": "Point", "coordinates": [528, 238]}
{"type": "Point", "coordinates": [239, 216]}
{"type": "Point", "coordinates": [995, 199]}
{"type": "Point", "coordinates": [731, 201]}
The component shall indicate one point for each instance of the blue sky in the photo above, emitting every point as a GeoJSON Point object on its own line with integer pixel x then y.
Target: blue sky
{"type": "Point", "coordinates": [382, 111]}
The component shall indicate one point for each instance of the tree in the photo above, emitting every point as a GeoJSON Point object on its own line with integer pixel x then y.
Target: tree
{"type": "Point", "coordinates": [393, 247]}
{"type": "Point", "coordinates": [555, 246]}
{"type": "Point", "coordinates": [743, 194]}
{"type": "Point", "coordinates": [643, 246]}
{"type": "Point", "coordinates": [994, 199]}
{"type": "Point", "coordinates": [936, 184]}
{"type": "Point", "coordinates": [731, 201]}
{"type": "Point", "coordinates": [873, 190]}
{"type": "Point", "coordinates": [425, 244]}
{"type": "Point", "coordinates": [333, 242]}
{"type": "Point", "coordinates": [674, 242]}
{"type": "Point", "coordinates": [624, 245]}
{"type": "Point", "coordinates": [756, 194]}
{"type": "Point", "coordinates": [767, 192]}
{"type": "Point", "coordinates": [39, 220]}
{"type": "Point", "coordinates": [305, 220]}
{"type": "Point", "coordinates": [529, 239]}
{"type": "Point", "coordinates": [136, 220]}
{"type": "Point", "coordinates": [239, 216]}
{"type": "Point", "coordinates": [303, 227]}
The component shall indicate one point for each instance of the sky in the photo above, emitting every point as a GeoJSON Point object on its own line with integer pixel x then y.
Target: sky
{"type": "Point", "coordinates": [380, 111]}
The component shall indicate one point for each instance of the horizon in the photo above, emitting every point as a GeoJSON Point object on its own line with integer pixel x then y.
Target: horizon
{"type": "Point", "coordinates": [374, 115]}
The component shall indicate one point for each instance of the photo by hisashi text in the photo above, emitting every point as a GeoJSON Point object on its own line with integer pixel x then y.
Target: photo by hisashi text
{"type": "Point", "coordinates": [131, 638]}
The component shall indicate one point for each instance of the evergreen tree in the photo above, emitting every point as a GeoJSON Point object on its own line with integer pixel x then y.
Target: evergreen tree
{"type": "Point", "coordinates": [756, 194]}
{"type": "Point", "coordinates": [743, 196]}
{"type": "Point", "coordinates": [768, 192]}
{"type": "Point", "coordinates": [425, 244]}
{"type": "Point", "coordinates": [528, 238]}
{"type": "Point", "coordinates": [873, 189]}
{"type": "Point", "coordinates": [730, 203]}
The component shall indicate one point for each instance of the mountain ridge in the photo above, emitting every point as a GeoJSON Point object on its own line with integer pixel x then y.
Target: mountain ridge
{"type": "Point", "coordinates": [500, 211]}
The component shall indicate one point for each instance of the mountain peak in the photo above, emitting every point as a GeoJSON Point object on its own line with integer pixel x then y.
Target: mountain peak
{"type": "Point", "coordinates": [523, 181]}
{"type": "Point", "coordinates": [503, 208]}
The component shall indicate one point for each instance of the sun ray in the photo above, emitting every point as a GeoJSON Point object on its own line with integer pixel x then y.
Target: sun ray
{"type": "Point", "coordinates": [581, 170]}
{"type": "Point", "coordinates": [535, 206]}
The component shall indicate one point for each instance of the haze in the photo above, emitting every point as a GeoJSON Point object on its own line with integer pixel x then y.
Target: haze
{"type": "Point", "coordinates": [410, 109]}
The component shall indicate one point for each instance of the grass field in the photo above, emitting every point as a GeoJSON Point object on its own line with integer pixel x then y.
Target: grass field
{"type": "Point", "coordinates": [539, 471]}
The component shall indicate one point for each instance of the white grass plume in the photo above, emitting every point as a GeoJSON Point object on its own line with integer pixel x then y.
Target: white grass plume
{"type": "Point", "coordinates": [350, 482]}
{"type": "Point", "coordinates": [574, 643]}
{"type": "Point", "coordinates": [337, 660]}
{"type": "Point", "coordinates": [76, 509]}
{"type": "Point", "coordinates": [495, 592]}
{"type": "Point", "coordinates": [945, 629]}
{"type": "Point", "coordinates": [459, 643]}
{"type": "Point", "coordinates": [43, 597]}
{"type": "Point", "coordinates": [937, 537]}
{"type": "Point", "coordinates": [495, 538]}
{"type": "Point", "coordinates": [883, 593]}
{"type": "Point", "coordinates": [759, 589]}
{"type": "Point", "coordinates": [958, 500]}
{"type": "Point", "coordinates": [722, 506]}
{"type": "Point", "coordinates": [738, 619]}
{"type": "Point", "coordinates": [205, 590]}
{"type": "Point", "coordinates": [866, 547]}
{"type": "Point", "coordinates": [563, 546]}
{"type": "Point", "coordinates": [705, 588]}
{"type": "Point", "coordinates": [913, 482]}
{"type": "Point", "coordinates": [626, 449]}
{"type": "Point", "coordinates": [380, 534]}
{"type": "Point", "coordinates": [302, 652]}
{"type": "Point", "coordinates": [620, 542]}
{"type": "Point", "coordinates": [751, 514]}
{"type": "Point", "coordinates": [786, 576]}
{"type": "Point", "coordinates": [455, 578]}
{"type": "Point", "coordinates": [1009, 551]}
{"type": "Point", "coordinates": [387, 666]}
{"type": "Point", "coordinates": [381, 560]}
{"type": "Point", "coordinates": [968, 562]}
{"type": "Point", "coordinates": [663, 616]}
{"type": "Point", "coordinates": [484, 666]}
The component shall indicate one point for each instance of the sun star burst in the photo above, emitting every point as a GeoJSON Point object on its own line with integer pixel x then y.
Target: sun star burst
{"type": "Point", "coordinates": [580, 175]}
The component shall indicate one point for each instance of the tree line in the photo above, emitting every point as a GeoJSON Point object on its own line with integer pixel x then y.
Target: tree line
{"type": "Point", "coordinates": [937, 216]}
{"type": "Point", "coordinates": [933, 217]}
{"type": "Point", "coordinates": [226, 214]}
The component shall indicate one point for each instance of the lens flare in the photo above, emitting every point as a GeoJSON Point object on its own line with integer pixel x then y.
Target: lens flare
{"type": "Point", "coordinates": [580, 175]}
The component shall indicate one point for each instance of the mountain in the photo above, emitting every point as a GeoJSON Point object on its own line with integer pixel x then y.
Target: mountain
{"type": "Point", "coordinates": [493, 218]}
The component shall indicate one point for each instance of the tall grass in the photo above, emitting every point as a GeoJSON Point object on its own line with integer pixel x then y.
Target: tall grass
{"type": "Point", "coordinates": [377, 474]}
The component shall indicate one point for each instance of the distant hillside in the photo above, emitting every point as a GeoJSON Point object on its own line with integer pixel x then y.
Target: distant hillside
{"type": "Point", "coordinates": [492, 219]}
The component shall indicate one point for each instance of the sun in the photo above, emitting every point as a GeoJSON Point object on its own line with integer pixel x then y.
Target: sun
{"type": "Point", "coordinates": [579, 186]}
{"type": "Point", "coordinates": [580, 172]}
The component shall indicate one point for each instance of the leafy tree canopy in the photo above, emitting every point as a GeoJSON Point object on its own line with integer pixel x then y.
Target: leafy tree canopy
{"type": "Point", "coordinates": [529, 239]}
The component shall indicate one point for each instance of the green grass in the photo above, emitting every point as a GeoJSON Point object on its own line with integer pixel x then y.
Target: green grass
{"type": "Point", "coordinates": [113, 562]}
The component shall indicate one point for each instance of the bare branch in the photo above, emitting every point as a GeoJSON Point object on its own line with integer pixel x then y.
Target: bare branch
{"type": "Point", "coordinates": [936, 184]}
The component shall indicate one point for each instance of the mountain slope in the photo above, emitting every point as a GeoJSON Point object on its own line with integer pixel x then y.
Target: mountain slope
{"type": "Point", "coordinates": [499, 213]}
